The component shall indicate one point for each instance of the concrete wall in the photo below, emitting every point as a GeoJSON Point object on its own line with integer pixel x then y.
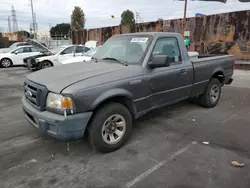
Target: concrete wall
{"type": "Point", "coordinates": [227, 33]}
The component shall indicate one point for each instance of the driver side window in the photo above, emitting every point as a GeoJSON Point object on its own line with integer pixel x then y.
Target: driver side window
{"type": "Point", "coordinates": [169, 47]}
{"type": "Point", "coordinates": [68, 50]}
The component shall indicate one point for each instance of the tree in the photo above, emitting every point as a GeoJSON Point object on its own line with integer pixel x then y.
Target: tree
{"type": "Point", "coordinates": [60, 30]}
{"type": "Point", "coordinates": [77, 19]}
{"type": "Point", "coordinates": [127, 17]}
{"type": "Point", "coordinates": [160, 20]}
{"type": "Point", "coordinates": [22, 34]}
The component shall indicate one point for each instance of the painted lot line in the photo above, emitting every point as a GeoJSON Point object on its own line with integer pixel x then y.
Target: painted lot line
{"type": "Point", "coordinates": [202, 166]}
{"type": "Point", "coordinates": [157, 166]}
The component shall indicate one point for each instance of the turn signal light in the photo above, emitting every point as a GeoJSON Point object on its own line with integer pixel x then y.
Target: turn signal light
{"type": "Point", "coordinates": [67, 103]}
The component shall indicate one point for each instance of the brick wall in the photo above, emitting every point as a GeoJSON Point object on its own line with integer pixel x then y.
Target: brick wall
{"type": "Point", "coordinates": [227, 33]}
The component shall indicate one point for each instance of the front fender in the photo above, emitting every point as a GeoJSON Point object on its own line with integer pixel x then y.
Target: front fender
{"type": "Point", "coordinates": [110, 94]}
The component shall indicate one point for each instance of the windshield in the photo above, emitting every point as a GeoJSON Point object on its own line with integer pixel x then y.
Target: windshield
{"type": "Point", "coordinates": [128, 48]}
{"type": "Point", "coordinates": [92, 52]}
{"type": "Point", "coordinates": [13, 46]}
{"type": "Point", "coordinates": [58, 49]}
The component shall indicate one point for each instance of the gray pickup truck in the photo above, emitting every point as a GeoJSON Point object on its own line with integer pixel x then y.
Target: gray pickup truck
{"type": "Point", "coordinates": [130, 75]}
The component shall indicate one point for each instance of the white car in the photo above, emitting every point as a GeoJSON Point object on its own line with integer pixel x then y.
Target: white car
{"type": "Point", "coordinates": [83, 58]}
{"type": "Point", "coordinates": [16, 56]}
{"type": "Point", "coordinates": [193, 55]}
{"type": "Point", "coordinates": [13, 46]}
{"type": "Point", "coordinates": [63, 54]}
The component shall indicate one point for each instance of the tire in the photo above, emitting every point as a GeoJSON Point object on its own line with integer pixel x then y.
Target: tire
{"type": "Point", "coordinates": [45, 64]}
{"type": "Point", "coordinates": [100, 135]}
{"type": "Point", "coordinates": [6, 63]}
{"type": "Point", "coordinates": [208, 99]}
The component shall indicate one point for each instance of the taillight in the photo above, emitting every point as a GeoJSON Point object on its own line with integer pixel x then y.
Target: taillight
{"type": "Point", "coordinates": [233, 64]}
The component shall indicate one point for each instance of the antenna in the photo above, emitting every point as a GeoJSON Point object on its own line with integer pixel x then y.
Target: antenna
{"type": "Point", "coordinates": [15, 26]}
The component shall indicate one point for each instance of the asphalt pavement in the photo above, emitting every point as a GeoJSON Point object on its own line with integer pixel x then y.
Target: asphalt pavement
{"type": "Point", "coordinates": [166, 149]}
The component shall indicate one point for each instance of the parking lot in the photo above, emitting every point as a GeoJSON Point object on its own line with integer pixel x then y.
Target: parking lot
{"type": "Point", "coordinates": [166, 149]}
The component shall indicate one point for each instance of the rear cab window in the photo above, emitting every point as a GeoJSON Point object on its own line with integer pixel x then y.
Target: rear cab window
{"type": "Point", "coordinates": [168, 46]}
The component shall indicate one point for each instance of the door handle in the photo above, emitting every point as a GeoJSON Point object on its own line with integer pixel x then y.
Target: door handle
{"type": "Point", "coordinates": [184, 71]}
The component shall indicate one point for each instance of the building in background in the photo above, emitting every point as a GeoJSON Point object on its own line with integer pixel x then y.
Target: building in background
{"type": "Point", "coordinates": [43, 35]}
{"type": "Point", "coordinates": [10, 36]}
{"type": "Point", "coordinates": [226, 33]}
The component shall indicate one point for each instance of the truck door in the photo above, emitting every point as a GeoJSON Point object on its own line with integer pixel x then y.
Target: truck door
{"type": "Point", "coordinates": [173, 83]}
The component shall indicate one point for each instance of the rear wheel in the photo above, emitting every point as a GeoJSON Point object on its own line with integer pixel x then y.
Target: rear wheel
{"type": "Point", "coordinates": [46, 64]}
{"type": "Point", "coordinates": [5, 63]}
{"type": "Point", "coordinates": [211, 96]}
{"type": "Point", "coordinates": [110, 127]}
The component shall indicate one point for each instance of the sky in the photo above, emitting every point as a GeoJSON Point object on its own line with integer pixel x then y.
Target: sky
{"type": "Point", "coordinates": [51, 12]}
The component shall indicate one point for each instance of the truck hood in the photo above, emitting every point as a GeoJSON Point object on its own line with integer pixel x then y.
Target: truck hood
{"type": "Point", "coordinates": [58, 78]}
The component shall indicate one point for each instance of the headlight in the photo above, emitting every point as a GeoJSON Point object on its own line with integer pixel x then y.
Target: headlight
{"type": "Point", "coordinates": [59, 102]}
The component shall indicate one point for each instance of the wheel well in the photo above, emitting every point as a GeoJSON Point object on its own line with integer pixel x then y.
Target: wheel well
{"type": "Point", "coordinates": [122, 100]}
{"type": "Point", "coordinates": [6, 58]}
{"type": "Point", "coordinates": [48, 61]}
{"type": "Point", "coordinates": [220, 76]}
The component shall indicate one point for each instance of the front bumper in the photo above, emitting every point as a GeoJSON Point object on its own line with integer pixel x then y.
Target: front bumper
{"type": "Point", "coordinates": [30, 63]}
{"type": "Point", "coordinates": [70, 128]}
{"type": "Point", "coordinates": [229, 81]}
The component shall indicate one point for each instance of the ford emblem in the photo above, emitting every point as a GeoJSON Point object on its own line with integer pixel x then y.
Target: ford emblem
{"type": "Point", "coordinates": [29, 93]}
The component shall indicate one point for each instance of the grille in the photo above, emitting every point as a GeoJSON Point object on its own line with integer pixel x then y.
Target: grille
{"type": "Point", "coordinates": [35, 94]}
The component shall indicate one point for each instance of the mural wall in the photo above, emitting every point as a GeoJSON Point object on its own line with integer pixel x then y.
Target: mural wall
{"type": "Point", "coordinates": [227, 33]}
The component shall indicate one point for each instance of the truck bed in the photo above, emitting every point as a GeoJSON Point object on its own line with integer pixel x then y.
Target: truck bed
{"type": "Point", "coordinates": [206, 66]}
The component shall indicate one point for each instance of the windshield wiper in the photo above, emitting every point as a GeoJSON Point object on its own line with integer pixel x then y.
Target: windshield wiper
{"type": "Point", "coordinates": [117, 60]}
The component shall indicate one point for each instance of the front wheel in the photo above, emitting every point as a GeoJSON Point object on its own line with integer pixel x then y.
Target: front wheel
{"type": "Point", "coordinates": [110, 127]}
{"type": "Point", "coordinates": [211, 96]}
{"type": "Point", "coordinates": [5, 63]}
{"type": "Point", "coordinates": [45, 64]}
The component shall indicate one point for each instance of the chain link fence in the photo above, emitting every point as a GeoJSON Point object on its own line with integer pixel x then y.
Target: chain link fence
{"type": "Point", "coordinates": [53, 43]}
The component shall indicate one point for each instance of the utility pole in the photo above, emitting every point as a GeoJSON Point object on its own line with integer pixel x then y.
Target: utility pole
{"type": "Point", "coordinates": [185, 17]}
{"type": "Point", "coordinates": [15, 26]}
{"type": "Point", "coordinates": [33, 19]}
{"type": "Point", "coordinates": [138, 19]}
{"type": "Point", "coordinates": [9, 25]}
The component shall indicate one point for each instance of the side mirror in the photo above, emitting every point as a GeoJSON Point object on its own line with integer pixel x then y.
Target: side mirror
{"type": "Point", "coordinates": [159, 61]}
{"type": "Point", "coordinates": [16, 53]}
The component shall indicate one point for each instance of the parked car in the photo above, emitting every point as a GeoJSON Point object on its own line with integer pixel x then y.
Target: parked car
{"type": "Point", "coordinates": [130, 75]}
{"type": "Point", "coordinates": [43, 49]}
{"type": "Point", "coordinates": [193, 55]}
{"type": "Point", "coordinates": [87, 56]}
{"type": "Point", "coordinates": [91, 44]}
{"type": "Point", "coordinates": [54, 59]}
{"type": "Point", "coordinates": [13, 46]}
{"type": "Point", "coordinates": [16, 56]}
